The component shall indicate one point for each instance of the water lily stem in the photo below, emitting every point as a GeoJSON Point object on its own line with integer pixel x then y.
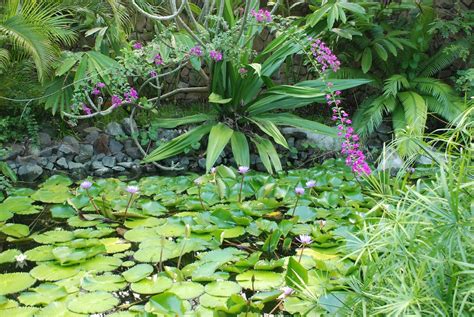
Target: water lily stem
{"type": "Point", "coordinates": [92, 202]}
{"type": "Point", "coordinates": [128, 204]}
{"type": "Point", "coordinates": [276, 306]}
{"type": "Point", "coordinates": [241, 186]}
{"type": "Point", "coordinates": [296, 205]}
{"type": "Point", "coordinates": [200, 198]}
{"type": "Point", "coordinates": [301, 254]}
{"type": "Point", "coordinates": [181, 255]}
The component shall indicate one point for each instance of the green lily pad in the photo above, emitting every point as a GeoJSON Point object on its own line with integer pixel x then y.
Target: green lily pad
{"type": "Point", "coordinates": [67, 256]}
{"type": "Point", "coordinates": [15, 230]}
{"type": "Point", "coordinates": [57, 180]}
{"type": "Point", "coordinates": [90, 233]}
{"type": "Point", "coordinates": [53, 272]}
{"type": "Point", "coordinates": [263, 280]}
{"type": "Point", "coordinates": [222, 288]}
{"type": "Point", "coordinates": [52, 194]}
{"type": "Point", "coordinates": [11, 283]}
{"type": "Point", "coordinates": [5, 215]}
{"type": "Point", "coordinates": [153, 208]}
{"type": "Point", "coordinates": [19, 311]}
{"type": "Point", "coordinates": [41, 253]}
{"type": "Point", "coordinates": [148, 222]}
{"type": "Point", "coordinates": [106, 282]}
{"type": "Point", "coordinates": [115, 245]}
{"type": "Point", "coordinates": [57, 309]}
{"type": "Point", "coordinates": [141, 234]}
{"type": "Point", "coordinates": [137, 273]}
{"type": "Point", "coordinates": [152, 285]}
{"type": "Point", "coordinates": [187, 290]}
{"type": "Point", "coordinates": [54, 236]}
{"type": "Point", "coordinates": [20, 205]}
{"type": "Point", "coordinates": [8, 256]}
{"type": "Point", "coordinates": [101, 264]}
{"type": "Point", "coordinates": [210, 301]}
{"type": "Point", "coordinates": [62, 211]}
{"type": "Point", "coordinates": [77, 222]}
{"type": "Point", "coordinates": [42, 295]}
{"type": "Point", "coordinates": [166, 303]}
{"type": "Point", "coordinates": [95, 302]}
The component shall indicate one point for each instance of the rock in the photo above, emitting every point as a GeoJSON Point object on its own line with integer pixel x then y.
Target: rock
{"type": "Point", "coordinates": [120, 157]}
{"type": "Point", "coordinates": [126, 164]}
{"type": "Point", "coordinates": [91, 137]}
{"type": "Point", "coordinates": [46, 152]}
{"type": "Point", "coordinates": [53, 158]}
{"type": "Point", "coordinates": [49, 166]}
{"type": "Point", "coordinates": [101, 144]}
{"type": "Point", "coordinates": [97, 165]}
{"type": "Point", "coordinates": [29, 172]}
{"type": "Point", "coordinates": [43, 161]}
{"type": "Point", "coordinates": [202, 163]}
{"type": "Point", "coordinates": [108, 161]}
{"type": "Point", "coordinates": [74, 165]}
{"type": "Point", "coordinates": [134, 153]}
{"type": "Point", "coordinates": [114, 128]}
{"type": "Point", "coordinates": [85, 153]}
{"type": "Point", "coordinates": [102, 171]}
{"type": "Point", "coordinates": [98, 157]}
{"type": "Point", "coordinates": [62, 163]}
{"type": "Point", "coordinates": [15, 150]}
{"type": "Point", "coordinates": [390, 161]}
{"type": "Point", "coordinates": [70, 140]}
{"type": "Point", "coordinates": [44, 139]}
{"type": "Point", "coordinates": [66, 149]}
{"type": "Point", "coordinates": [118, 169]}
{"type": "Point", "coordinates": [115, 146]}
{"type": "Point", "coordinates": [128, 124]}
{"type": "Point", "coordinates": [384, 128]}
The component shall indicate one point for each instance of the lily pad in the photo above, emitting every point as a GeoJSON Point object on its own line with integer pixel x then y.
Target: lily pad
{"type": "Point", "coordinates": [57, 309]}
{"type": "Point", "coordinates": [8, 256]}
{"type": "Point", "coordinates": [52, 194]}
{"type": "Point", "coordinates": [19, 311]}
{"type": "Point", "coordinates": [11, 283]}
{"type": "Point", "coordinates": [187, 290]}
{"type": "Point", "coordinates": [53, 272]}
{"type": "Point", "coordinates": [41, 253]}
{"type": "Point", "coordinates": [101, 264]}
{"type": "Point", "coordinates": [222, 288]}
{"type": "Point", "coordinates": [262, 280]}
{"type": "Point", "coordinates": [166, 303]}
{"type": "Point", "coordinates": [54, 236]}
{"type": "Point", "coordinates": [95, 302]}
{"type": "Point", "coordinates": [106, 282]}
{"type": "Point", "coordinates": [42, 295]}
{"type": "Point", "coordinates": [5, 215]}
{"type": "Point", "coordinates": [152, 285]}
{"type": "Point", "coordinates": [62, 211]}
{"type": "Point", "coordinates": [15, 230]}
{"type": "Point", "coordinates": [137, 273]}
{"type": "Point", "coordinates": [20, 205]}
{"type": "Point", "coordinates": [210, 301]}
{"type": "Point", "coordinates": [115, 245]}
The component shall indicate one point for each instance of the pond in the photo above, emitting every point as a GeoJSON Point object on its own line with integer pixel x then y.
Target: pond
{"type": "Point", "coordinates": [227, 242]}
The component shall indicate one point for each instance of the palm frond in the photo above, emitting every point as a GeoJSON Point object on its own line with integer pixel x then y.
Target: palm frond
{"type": "Point", "coordinates": [394, 84]}
{"type": "Point", "coordinates": [4, 59]}
{"type": "Point", "coordinates": [438, 62]}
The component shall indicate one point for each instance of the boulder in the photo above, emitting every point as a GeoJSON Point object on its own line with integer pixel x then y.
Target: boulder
{"type": "Point", "coordinates": [71, 141]}
{"type": "Point", "coordinates": [109, 161]}
{"type": "Point", "coordinates": [128, 124]}
{"type": "Point", "coordinates": [114, 128]}
{"type": "Point", "coordinates": [115, 146]}
{"type": "Point", "coordinates": [62, 163]}
{"type": "Point", "coordinates": [85, 153]}
{"type": "Point", "coordinates": [44, 139]}
{"type": "Point", "coordinates": [29, 172]}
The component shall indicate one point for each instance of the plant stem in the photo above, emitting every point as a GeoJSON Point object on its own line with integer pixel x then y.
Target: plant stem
{"type": "Point", "coordinates": [128, 204]}
{"type": "Point", "coordinates": [200, 198]}
{"type": "Point", "coordinates": [296, 205]}
{"type": "Point", "coordinates": [276, 306]}
{"type": "Point", "coordinates": [301, 254]}
{"type": "Point", "coordinates": [181, 254]}
{"type": "Point", "coordinates": [91, 200]}
{"type": "Point", "coordinates": [241, 186]}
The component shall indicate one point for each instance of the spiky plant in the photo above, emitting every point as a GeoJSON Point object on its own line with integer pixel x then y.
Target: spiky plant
{"type": "Point", "coordinates": [33, 29]}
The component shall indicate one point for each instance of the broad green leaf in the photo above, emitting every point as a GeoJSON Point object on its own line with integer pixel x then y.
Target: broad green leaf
{"type": "Point", "coordinates": [170, 123]}
{"type": "Point", "coordinates": [257, 67]}
{"type": "Point", "coordinates": [218, 138]}
{"type": "Point", "coordinates": [271, 129]}
{"type": "Point", "coordinates": [166, 303]}
{"type": "Point", "coordinates": [288, 119]}
{"type": "Point", "coordinates": [240, 148]}
{"type": "Point", "coordinates": [381, 52]}
{"type": "Point", "coordinates": [366, 62]}
{"type": "Point", "coordinates": [296, 275]}
{"type": "Point", "coordinates": [215, 98]}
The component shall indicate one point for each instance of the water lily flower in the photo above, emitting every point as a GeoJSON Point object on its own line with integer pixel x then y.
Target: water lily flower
{"type": "Point", "coordinates": [243, 169]}
{"type": "Point", "coordinates": [299, 190]}
{"type": "Point", "coordinates": [310, 184]}
{"type": "Point", "coordinates": [304, 239]}
{"type": "Point", "coordinates": [287, 291]}
{"type": "Point", "coordinates": [132, 189]}
{"type": "Point", "coordinates": [86, 185]}
{"type": "Point", "coordinates": [213, 170]}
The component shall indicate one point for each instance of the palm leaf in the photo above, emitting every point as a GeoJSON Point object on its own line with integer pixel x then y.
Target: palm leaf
{"type": "Point", "coordinates": [439, 61]}
{"type": "Point", "coordinates": [240, 148]}
{"type": "Point", "coordinates": [271, 129]}
{"type": "Point", "coordinates": [370, 114]}
{"type": "Point", "coordinates": [394, 84]}
{"type": "Point", "coordinates": [415, 110]}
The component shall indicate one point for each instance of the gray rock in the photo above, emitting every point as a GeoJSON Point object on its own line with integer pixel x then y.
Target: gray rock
{"type": "Point", "coordinates": [108, 161]}
{"type": "Point", "coordinates": [202, 163]}
{"type": "Point", "coordinates": [92, 136]}
{"type": "Point", "coordinates": [66, 149]}
{"type": "Point", "coordinates": [115, 146]}
{"type": "Point", "coordinates": [46, 152]}
{"type": "Point", "coordinates": [114, 128]}
{"type": "Point", "coordinates": [53, 158]}
{"type": "Point", "coordinates": [98, 157]}
{"type": "Point", "coordinates": [133, 152]}
{"type": "Point", "coordinates": [43, 161]}
{"type": "Point", "coordinates": [126, 164]}
{"type": "Point", "coordinates": [49, 166]}
{"type": "Point", "coordinates": [120, 157]}
{"type": "Point", "coordinates": [15, 150]}
{"type": "Point", "coordinates": [128, 124]}
{"type": "Point", "coordinates": [74, 165]}
{"type": "Point", "coordinates": [29, 172]}
{"type": "Point", "coordinates": [118, 169]}
{"type": "Point", "coordinates": [97, 165]}
{"type": "Point", "coordinates": [70, 140]}
{"type": "Point", "coordinates": [62, 163]}
{"type": "Point", "coordinates": [390, 161]}
{"type": "Point", "coordinates": [85, 153]}
{"type": "Point", "coordinates": [102, 171]}
{"type": "Point", "coordinates": [44, 139]}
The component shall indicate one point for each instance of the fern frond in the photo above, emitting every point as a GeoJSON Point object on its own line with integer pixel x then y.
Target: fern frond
{"type": "Point", "coordinates": [4, 59]}
{"type": "Point", "coordinates": [370, 114]}
{"type": "Point", "coordinates": [438, 62]}
{"type": "Point", "coordinates": [415, 110]}
{"type": "Point", "coordinates": [450, 113]}
{"type": "Point", "coordinates": [394, 84]}
{"type": "Point", "coordinates": [348, 73]}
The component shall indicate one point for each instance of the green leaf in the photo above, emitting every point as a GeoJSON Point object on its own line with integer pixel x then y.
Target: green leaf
{"type": "Point", "coordinates": [353, 7]}
{"type": "Point", "coordinates": [366, 60]}
{"type": "Point", "coordinates": [170, 123]}
{"type": "Point", "coordinates": [296, 275]}
{"type": "Point", "coordinates": [95, 302]}
{"type": "Point", "coordinates": [381, 52]}
{"type": "Point", "coordinates": [178, 145]}
{"type": "Point", "coordinates": [166, 303]}
{"type": "Point", "coordinates": [15, 230]}
{"type": "Point", "coordinates": [317, 15]}
{"type": "Point", "coordinates": [271, 129]}
{"type": "Point", "coordinates": [215, 98]}
{"type": "Point", "coordinates": [11, 283]}
{"type": "Point", "coordinates": [288, 119]}
{"type": "Point", "coordinates": [240, 148]}
{"type": "Point", "coordinates": [218, 138]}
{"type": "Point", "coordinates": [415, 111]}
{"type": "Point", "coordinates": [257, 67]}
